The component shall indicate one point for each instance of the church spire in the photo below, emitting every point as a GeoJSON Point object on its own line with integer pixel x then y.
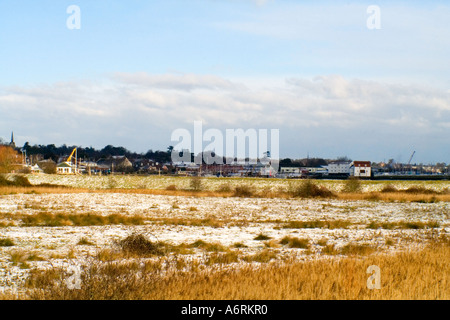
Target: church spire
{"type": "Point", "coordinates": [12, 144]}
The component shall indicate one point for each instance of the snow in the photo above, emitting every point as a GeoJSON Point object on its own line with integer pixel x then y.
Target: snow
{"type": "Point", "coordinates": [244, 218]}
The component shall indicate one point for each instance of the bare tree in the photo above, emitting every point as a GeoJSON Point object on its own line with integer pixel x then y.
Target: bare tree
{"type": "Point", "coordinates": [9, 159]}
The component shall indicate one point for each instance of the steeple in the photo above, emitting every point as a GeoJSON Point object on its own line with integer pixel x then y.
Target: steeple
{"type": "Point", "coordinates": [12, 144]}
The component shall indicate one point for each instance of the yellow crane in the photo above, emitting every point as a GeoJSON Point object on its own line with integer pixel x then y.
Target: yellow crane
{"type": "Point", "coordinates": [71, 155]}
{"type": "Point", "coordinates": [66, 167]}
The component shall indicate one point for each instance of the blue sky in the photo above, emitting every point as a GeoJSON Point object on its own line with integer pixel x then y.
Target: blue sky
{"type": "Point", "coordinates": [137, 70]}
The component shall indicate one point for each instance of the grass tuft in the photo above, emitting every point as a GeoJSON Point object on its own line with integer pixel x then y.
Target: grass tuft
{"type": "Point", "coordinates": [309, 189]}
{"type": "Point", "coordinates": [293, 242]}
{"type": "Point", "coordinates": [6, 242]}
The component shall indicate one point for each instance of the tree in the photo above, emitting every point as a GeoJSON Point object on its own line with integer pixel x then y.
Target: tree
{"type": "Point", "coordinates": [9, 159]}
{"type": "Point", "coordinates": [49, 167]}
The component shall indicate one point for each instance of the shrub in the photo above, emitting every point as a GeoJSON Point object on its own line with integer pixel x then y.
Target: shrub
{"type": "Point", "coordinates": [112, 182]}
{"type": "Point", "coordinates": [140, 245]}
{"type": "Point", "coordinates": [389, 188]}
{"type": "Point", "coordinates": [211, 247]}
{"type": "Point", "coordinates": [352, 184]}
{"type": "Point", "coordinates": [293, 242]}
{"type": "Point", "coordinates": [196, 183]}
{"type": "Point", "coordinates": [309, 189]}
{"type": "Point", "coordinates": [225, 187]}
{"type": "Point", "coordinates": [419, 190]}
{"type": "Point", "coordinates": [244, 191]}
{"type": "Point", "coordinates": [6, 242]}
{"type": "Point", "coordinates": [18, 181]}
{"type": "Point", "coordinates": [84, 242]}
{"type": "Point", "coordinates": [171, 187]}
{"type": "Point", "coordinates": [239, 245]}
{"type": "Point", "coordinates": [262, 237]}
{"type": "Point", "coordinates": [5, 182]}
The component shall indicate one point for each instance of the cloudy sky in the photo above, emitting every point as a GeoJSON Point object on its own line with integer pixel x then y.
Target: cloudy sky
{"type": "Point", "coordinates": [135, 71]}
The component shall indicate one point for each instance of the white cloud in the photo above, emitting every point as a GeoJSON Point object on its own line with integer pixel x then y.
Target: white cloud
{"type": "Point", "coordinates": [185, 82]}
{"type": "Point", "coordinates": [140, 111]}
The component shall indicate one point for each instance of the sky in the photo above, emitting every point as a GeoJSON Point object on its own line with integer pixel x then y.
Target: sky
{"type": "Point", "coordinates": [334, 77]}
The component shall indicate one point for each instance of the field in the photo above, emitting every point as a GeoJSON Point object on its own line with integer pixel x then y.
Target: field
{"type": "Point", "coordinates": [131, 237]}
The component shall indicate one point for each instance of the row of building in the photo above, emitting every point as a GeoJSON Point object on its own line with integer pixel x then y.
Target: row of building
{"type": "Point", "coordinates": [337, 169]}
{"type": "Point", "coordinates": [120, 164]}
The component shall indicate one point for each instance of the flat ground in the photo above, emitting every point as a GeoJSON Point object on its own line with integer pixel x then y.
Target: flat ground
{"type": "Point", "coordinates": [210, 225]}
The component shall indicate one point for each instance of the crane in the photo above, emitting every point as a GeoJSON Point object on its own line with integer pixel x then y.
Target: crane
{"type": "Point", "coordinates": [410, 158]}
{"type": "Point", "coordinates": [69, 160]}
{"type": "Point", "coordinates": [71, 155]}
{"type": "Point", "coordinates": [409, 162]}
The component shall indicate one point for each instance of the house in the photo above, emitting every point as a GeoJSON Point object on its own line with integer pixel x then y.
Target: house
{"type": "Point", "coordinates": [361, 169]}
{"type": "Point", "coordinates": [88, 167]}
{"type": "Point", "coordinates": [290, 172]}
{"type": "Point", "coordinates": [339, 168]}
{"type": "Point", "coordinates": [116, 164]}
{"type": "Point", "coordinates": [64, 168]}
{"type": "Point", "coordinates": [36, 169]}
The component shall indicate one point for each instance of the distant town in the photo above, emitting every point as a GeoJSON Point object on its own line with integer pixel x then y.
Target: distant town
{"type": "Point", "coordinates": [66, 160]}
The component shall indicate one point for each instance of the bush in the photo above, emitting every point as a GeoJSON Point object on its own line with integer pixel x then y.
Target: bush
{"type": "Point", "coordinates": [140, 245]}
{"type": "Point", "coordinates": [309, 189]}
{"type": "Point", "coordinates": [49, 168]}
{"type": "Point", "coordinates": [171, 187]}
{"type": "Point", "coordinates": [262, 237]}
{"type": "Point", "coordinates": [419, 190]}
{"type": "Point", "coordinates": [18, 181]}
{"type": "Point", "coordinates": [293, 242]}
{"type": "Point", "coordinates": [352, 184]}
{"type": "Point", "coordinates": [7, 242]}
{"type": "Point", "coordinates": [225, 187]}
{"type": "Point", "coordinates": [389, 188]}
{"type": "Point", "coordinates": [21, 181]}
{"type": "Point", "coordinates": [5, 182]}
{"type": "Point", "coordinates": [210, 247]}
{"type": "Point", "coordinates": [196, 183]}
{"type": "Point", "coordinates": [244, 191]}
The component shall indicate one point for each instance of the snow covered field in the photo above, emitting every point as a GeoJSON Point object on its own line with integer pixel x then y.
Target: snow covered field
{"type": "Point", "coordinates": [213, 183]}
{"type": "Point", "coordinates": [225, 220]}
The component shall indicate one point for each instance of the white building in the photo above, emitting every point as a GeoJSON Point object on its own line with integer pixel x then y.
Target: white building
{"type": "Point", "coordinates": [289, 170]}
{"type": "Point", "coordinates": [64, 168]}
{"type": "Point", "coordinates": [362, 169]}
{"type": "Point", "coordinates": [339, 167]}
{"type": "Point", "coordinates": [36, 169]}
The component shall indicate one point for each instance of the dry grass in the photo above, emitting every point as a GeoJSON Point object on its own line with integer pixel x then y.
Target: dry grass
{"type": "Point", "coordinates": [329, 224]}
{"type": "Point", "coordinates": [296, 189]}
{"type": "Point", "coordinates": [192, 222]}
{"type": "Point", "coordinates": [293, 242]}
{"type": "Point", "coordinates": [395, 197]}
{"type": "Point", "coordinates": [404, 275]}
{"type": "Point", "coordinates": [85, 219]}
{"type": "Point", "coordinates": [403, 225]}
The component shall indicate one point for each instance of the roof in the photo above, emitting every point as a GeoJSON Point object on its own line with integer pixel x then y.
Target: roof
{"type": "Point", "coordinates": [362, 163]}
{"type": "Point", "coordinates": [64, 165]}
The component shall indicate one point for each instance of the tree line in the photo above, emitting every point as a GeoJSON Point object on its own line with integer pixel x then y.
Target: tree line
{"type": "Point", "coordinates": [89, 153]}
